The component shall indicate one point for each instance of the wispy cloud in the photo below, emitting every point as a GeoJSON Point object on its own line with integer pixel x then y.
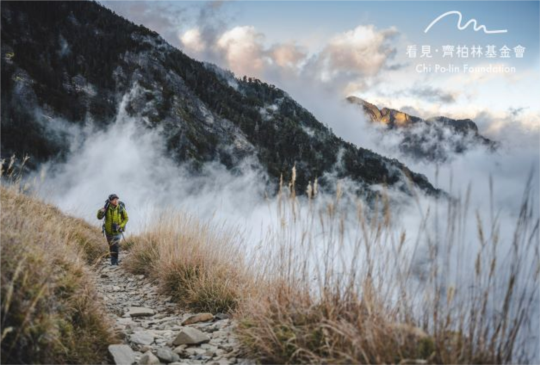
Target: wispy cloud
{"type": "Point", "coordinates": [433, 94]}
{"type": "Point", "coordinates": [362, 51]}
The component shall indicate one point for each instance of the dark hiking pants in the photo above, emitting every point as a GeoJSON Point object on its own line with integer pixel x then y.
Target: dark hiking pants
{"type": "Point", "coordinates": [114, 247]}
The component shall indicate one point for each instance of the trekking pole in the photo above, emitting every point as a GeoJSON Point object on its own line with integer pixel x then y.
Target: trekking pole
{"type": "Point", "coordinates": [122, 233]}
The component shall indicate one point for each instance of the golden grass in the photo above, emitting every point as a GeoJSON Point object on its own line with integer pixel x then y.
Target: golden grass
{"type": "Point", "coordinates": [50, 311]}
{"type": "Point", "coordinates": [200, 265]}
{"type": "Point", "coordinates": [327, 298]}
{"type": "Point", "coordinates": [325, 287]}
{"type": "Point", "coordinates": [314, 295]}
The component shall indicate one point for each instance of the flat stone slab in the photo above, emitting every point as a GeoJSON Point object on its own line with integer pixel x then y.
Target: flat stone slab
{"type": "Point", "coordinates": [140, 312]}
{"type": "Point", "coordinates": [201, 317]}
{"type": "Point", "coordinates": [190, 336]}
{"type": "Point", "coordinates": [142, 338]}
{"type": "Point", "coordinates": [122, 354]}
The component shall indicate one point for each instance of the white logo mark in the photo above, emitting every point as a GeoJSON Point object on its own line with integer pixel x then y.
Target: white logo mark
{"type": "Point", "coordinates": [476, 27]}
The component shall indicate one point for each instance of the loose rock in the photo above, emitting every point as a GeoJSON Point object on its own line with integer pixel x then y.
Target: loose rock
{"type": "Point", "coordinates": [142, 338]}
{"type": "Point", "coordinates": [150, 325]}
{"type": "Point", "coordinates": [201, 317]}
{"type": "Point", "coordinates": [149, 359]}
{"type": "Point", "coordinates": [190, 336]}
{"type": "Point", "coordinates": [122, 354]}
{"type": "Point", "coordinates": [167, 355]}
{"type": "Point", "coordinates": [140, 312]}
{"type": "Point", "coordinates": [221, 316]}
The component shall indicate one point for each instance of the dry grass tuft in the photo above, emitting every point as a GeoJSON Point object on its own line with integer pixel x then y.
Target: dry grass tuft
{"type": "Point", "coordinates": [50, 312]}
{"type": "Point", "coordinates": [292, 326]}
{"type": "Point", "coordinates": [200, 265]}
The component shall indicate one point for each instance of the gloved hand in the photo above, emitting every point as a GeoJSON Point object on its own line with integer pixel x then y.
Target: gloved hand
{"type": "Point", "coordinates": [120, 229]}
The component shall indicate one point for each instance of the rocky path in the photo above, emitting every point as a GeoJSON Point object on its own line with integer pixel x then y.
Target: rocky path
{"type": "Point", "coordinates": [155, 331]}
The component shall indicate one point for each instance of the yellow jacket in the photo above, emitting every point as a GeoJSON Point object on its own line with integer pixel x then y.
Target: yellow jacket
{"type": "Point", "coordinates": [116, 215]}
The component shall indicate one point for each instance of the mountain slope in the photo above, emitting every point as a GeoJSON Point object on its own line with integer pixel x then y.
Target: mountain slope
{"type": "Point", "coordinates": [434, 139]}
{"type": "Point", "coordinates": [75, 60]}
{"type": "Point", "coordinates": [51, 313]}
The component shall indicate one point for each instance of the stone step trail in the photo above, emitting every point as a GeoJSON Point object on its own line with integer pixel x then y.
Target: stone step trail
{"type": "Point", "coordinates": [155, 331]}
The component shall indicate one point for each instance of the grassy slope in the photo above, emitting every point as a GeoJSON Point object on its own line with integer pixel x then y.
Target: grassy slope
{"type": "Point", "coordinates": [289, 312]}
{"type": "Point", "coordinates": [50, 311]}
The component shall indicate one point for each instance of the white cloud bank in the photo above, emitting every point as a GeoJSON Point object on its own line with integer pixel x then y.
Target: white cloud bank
{"type": "Point", "coordinates": [342, 64]}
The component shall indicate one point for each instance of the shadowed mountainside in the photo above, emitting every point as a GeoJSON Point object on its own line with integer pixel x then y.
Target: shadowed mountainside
{"type": "Point", "coordinates": [68, 64]}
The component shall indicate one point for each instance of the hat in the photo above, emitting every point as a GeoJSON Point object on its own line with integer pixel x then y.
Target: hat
{"type": "Point", "coordinates": [113, 196]}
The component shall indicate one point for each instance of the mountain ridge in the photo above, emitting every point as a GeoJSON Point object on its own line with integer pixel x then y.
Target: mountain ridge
{"type": "Point", "coordinates": [433, 139]}
{"type": "Point", "coordinates": [76, 60]}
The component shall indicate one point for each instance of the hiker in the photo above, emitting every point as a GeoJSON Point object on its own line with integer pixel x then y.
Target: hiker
{"type": "Point", "coordinates": [114, 224]}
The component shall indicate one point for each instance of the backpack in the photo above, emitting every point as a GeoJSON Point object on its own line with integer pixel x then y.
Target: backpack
{"type": "Point", "coordinates": [121, 207]}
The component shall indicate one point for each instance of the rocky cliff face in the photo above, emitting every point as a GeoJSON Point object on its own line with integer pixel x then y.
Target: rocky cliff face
{"type": "Point", "coordinates": [74, 62]}
{"type": "Point", "coordinates": [434, 139]}
{"type": "Point", "coordinates": [390, 117]}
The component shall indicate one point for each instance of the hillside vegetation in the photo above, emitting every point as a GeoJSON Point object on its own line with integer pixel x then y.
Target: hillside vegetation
{"type": "Point", "coordinates": [50, 311]}
{"type": "Point", "coordinates": [307, 295]}
{"type": "Point", "coordinates": [301, 296]}
{"type": "Point", "coordinates": [66, 65]}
